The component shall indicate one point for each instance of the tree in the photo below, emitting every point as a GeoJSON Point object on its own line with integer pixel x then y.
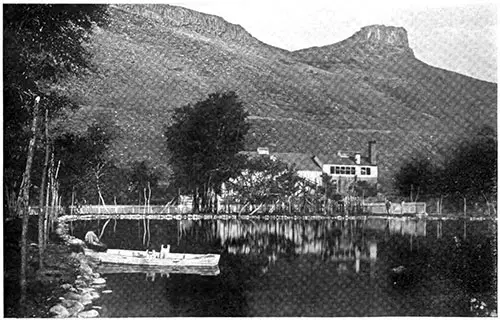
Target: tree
{"type": "Point", "coordinates": [204, 140]}
{"type": "Point", "coordinates": [42, 43]}
{"type": "Point", "coordinates": [471, 172]}
{"type": "Point", "coordinates": [418, 178]}
{"type": "Point", "coordinates": [364, 188]}
{"type": "Point", "coordinates": [264, 180]}
{"type": "Point", "coordinates": [23, 200]}
{"type": "Point", "coordinates": [142, 177]}
{"type": "Point", "coordinates": [85, 161]}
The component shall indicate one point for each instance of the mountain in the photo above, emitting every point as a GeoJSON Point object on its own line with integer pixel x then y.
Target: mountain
{"type": "Point", "coordinates": [154, 58]}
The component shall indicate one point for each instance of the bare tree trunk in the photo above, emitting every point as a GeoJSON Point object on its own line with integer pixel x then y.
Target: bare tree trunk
{"type": "Point", "coordinates": [55, 197]}
{"type": "Point", "coordinates": [23, 201]}
{"type": "Point", "coordinates": [41, 214]}
{"type": "Point", "coordinates": [47, 201]}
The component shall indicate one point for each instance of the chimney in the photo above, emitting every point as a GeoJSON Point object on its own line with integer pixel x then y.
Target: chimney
{"type": "Point", "coordinates": [262, 150]}
{"type": "Point", "coordinates": [372, 150]}
{"type": "Point", "coordinates": [357, 158]}
{"type": "Point", "coordinates": [318, 162]}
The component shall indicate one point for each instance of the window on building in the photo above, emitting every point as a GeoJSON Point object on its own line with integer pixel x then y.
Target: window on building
{"type": "Point", "coordinates": [365, 171]}
{"type": "Point", "coordinates": [343, 170]}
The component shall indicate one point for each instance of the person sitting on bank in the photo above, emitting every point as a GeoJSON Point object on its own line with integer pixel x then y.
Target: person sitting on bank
{"type": "Point", "coordinates": [92, 241]}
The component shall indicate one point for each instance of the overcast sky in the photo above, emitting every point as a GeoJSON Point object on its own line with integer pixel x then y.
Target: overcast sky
{"type": "Point", "coordinates": [458, 35]}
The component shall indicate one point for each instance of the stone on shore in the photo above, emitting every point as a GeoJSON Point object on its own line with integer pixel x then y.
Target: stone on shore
{"type": "Point", "coordinates": [86, 299]}
{"type": "Point", "coordinates": [85, 269]}
{"type": "Point", "coordinates": [89, 314]}
{"type": "Point", "coordinates": [80, 283]}
{"type": "Point", "coordinates": [66, 286]}
{"type": "Point", "coordinates": [75, 308]}
{"type": "Point", "coordinates": [94, 295]}
{"type": "Point", "coordinates": [99, 281]}
{"type": "Point", "coordinates": [77, 301]}
{"type": "Point", "coordinates": [86, 290]}
{"type": "Point", "coordinates": [70, 303]}
{"type": "Point", "coordinates": [59, 311]}
{"type": "Point", "coordinates": [72, 296]}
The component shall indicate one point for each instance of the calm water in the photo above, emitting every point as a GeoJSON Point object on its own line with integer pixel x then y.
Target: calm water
{"type": "Point", "coordinates": [375, 267]}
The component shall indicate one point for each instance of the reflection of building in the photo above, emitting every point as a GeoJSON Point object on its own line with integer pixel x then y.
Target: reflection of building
{"type": "Point", "coordinates": [403, 226]}
{"type": "Point", "coordinates": [408, 227]}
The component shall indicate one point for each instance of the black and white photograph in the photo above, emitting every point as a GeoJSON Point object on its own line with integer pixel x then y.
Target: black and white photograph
{"type": "Point", "coordinates": [265, 158]}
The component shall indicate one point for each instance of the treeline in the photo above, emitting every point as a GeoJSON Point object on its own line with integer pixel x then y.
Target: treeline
{"type": "Point", "coordinates": [467, 177]}
{"type": "Point", "coordinates": [206, 142]}
{"type": "Point", "coordinates": [86, 172]}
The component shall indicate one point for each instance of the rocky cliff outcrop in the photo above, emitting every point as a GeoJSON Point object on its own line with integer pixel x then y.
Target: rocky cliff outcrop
{"type": "Point", "coordinates": [379, 36]}
{"type": "Point", "coordinates": [371, 45]}
{"type": "Point", "coordinates": [383, 35]}
{"type": "Point", "coordinates": [193, 21]}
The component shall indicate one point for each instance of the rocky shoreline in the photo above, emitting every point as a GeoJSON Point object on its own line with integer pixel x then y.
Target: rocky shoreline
{"type": "Point", "coordinates": [78, 298]}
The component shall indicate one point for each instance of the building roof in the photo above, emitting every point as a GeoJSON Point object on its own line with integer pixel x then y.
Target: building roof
{"type": "Point", "coordinates": [335, 159]}
{"type": "Point", "coordinates": [303, 161]}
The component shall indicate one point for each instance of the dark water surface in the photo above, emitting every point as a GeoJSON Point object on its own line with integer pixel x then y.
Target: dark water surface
{"type": "Point", "coordinates": [372, 267]}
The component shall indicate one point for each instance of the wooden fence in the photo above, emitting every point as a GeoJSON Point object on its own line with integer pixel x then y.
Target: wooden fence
{"type": "Point", "coordinates": [396, 208]}
{"type": "Point", "coordinates": [124, 209]}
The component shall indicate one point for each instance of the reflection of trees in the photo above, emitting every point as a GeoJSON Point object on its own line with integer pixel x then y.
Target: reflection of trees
{"type": "Point", "coordinates": [335, 240]}
{"type": "Point", "coordinates": [330, 239]}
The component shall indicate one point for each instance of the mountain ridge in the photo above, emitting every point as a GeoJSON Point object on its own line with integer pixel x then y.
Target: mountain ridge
{"type": "Point", "coordinates": [201, 23]}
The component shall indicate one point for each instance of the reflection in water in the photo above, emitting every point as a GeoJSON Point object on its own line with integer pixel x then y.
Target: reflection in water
{"type": "Point", "coordinates": [371, 267]}
{"type": "Point", "coordinates": [150, 271]}
{"type": "Point", "coordinates": [329, 240]}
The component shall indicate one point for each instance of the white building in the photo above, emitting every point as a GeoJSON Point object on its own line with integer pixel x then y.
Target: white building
{"type": "Point", "coordinates": [344, 166]}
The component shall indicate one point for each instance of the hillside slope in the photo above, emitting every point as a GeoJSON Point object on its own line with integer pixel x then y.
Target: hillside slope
{"type": "Point", "coordinates": [153, 58]}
